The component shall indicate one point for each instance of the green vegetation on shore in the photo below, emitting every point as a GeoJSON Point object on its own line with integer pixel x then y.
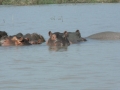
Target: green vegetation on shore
{"type": "Point", "coordinates": [37, 2]}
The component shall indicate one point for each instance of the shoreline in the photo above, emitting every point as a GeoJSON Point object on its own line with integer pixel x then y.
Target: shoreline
{"type": "Point", "coordinates": [40, 2]}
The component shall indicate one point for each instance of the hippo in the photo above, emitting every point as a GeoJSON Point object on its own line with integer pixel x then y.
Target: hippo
{"type": "Point", "coordinates": [75, 37]}
{"type": "Point", "coordinates": [20, 39]}
{"type": "Point", "coordinates": [14, 41]}
{"type": "Point", "coordinates": [108, 35]}
{"type": "Point", "coordinates": [58, 39]}
{"type": "Point", "coordinates": [34, 38]}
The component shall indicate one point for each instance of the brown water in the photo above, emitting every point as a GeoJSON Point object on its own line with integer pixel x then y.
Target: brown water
{"type": "Point", "coordinates": [91, 65]}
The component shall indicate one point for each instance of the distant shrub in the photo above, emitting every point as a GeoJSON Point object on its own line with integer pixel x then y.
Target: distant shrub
{"type": "Point", "coordinates": [35, 2]}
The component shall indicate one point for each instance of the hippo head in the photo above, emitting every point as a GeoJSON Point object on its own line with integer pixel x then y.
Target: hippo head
{"type": "Point", "coordinates": [20, 41]}
{"type": "Point", "coordinates": [53, 41]}
{"type": "Point", "coordinates": [35, 38]}
{"type": "Point", "coordinates": [7, 41]}
{"type": "Point", "coordinates": [58, 39]}
{"type": "Point", "coordinates": [17, 40]}
{"type": "Point", "coordinates": [75, 37]}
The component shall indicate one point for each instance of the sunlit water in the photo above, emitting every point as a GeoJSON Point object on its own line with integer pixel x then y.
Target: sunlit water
{"type": "Point", "coordinates": [91, 65]}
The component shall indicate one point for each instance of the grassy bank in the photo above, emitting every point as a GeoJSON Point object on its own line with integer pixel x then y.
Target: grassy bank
{"type": "Point", "coordinates": [37, 2]}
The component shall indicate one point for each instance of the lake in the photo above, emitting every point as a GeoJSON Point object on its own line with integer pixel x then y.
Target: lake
{"type": "Point", "coordinates": [91, 65]}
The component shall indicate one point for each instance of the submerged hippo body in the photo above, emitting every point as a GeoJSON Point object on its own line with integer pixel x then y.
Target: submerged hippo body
{"type": "Point", "coordinates": [108, 35]}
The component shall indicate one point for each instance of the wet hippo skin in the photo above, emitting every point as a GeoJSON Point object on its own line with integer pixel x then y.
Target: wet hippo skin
{"type": "Point", "coordinates": [108, 35]}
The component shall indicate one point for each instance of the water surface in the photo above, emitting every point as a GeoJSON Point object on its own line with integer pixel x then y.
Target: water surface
{"type": "Point", "coordinates": [91, 65]}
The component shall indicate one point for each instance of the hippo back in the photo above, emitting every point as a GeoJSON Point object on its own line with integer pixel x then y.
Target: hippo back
{"type": "Point", "coordinates": [28, 36]}
{"type": "Point", "coordinates": [19, 35]}
{"type": "Point", "coordinates": [108, 35]}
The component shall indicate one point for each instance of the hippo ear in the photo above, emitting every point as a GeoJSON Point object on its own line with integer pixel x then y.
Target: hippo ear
{"type": "Point", "coordinates": [65, 33]}
{"type": "Point", "coordinates": [77, 31]}
{"type": "Point", "coordinates": [49, 33]}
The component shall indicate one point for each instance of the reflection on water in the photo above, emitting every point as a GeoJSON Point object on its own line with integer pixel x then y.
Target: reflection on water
{"type": "Point", "coordinates": [90, 65]}
{"type": "Point", "coordinates": [58, 48]}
